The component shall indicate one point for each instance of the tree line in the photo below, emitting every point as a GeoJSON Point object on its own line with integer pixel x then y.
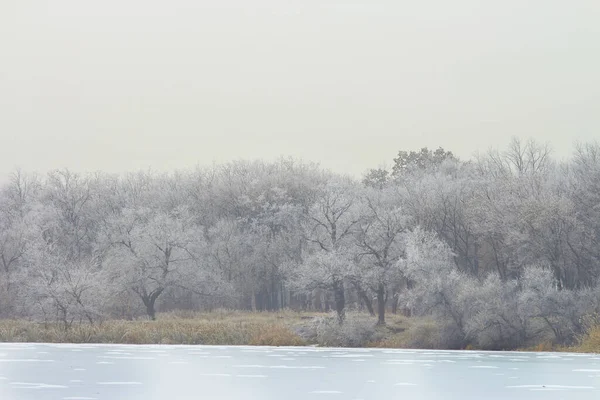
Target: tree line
{"type": "Point", "coordinates": [502, 249]}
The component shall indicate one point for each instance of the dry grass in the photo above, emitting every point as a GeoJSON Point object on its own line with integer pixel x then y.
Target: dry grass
{"type": "Point", "coordinates": [545, 346]}
{"type": "Point", "coordinates": [589, 343]}
{"type": "Point", "coordinates": [218, 328]}
{"type": "Point", "coordinates": [275, 335]}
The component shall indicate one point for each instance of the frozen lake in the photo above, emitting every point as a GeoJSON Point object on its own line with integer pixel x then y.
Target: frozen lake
{"type": "Point", "coordinates": [80, 372]}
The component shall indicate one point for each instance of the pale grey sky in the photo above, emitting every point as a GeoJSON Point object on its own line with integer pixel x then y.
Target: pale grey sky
{"type": "Point", "coordinates": [119, 85]}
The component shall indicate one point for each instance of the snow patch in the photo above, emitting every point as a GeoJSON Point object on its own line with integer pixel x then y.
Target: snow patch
{"type": "Point", "coordinates": [79, 398]}
{"type": "Point", "coordinates": [351, 355]}
{"type": "Point", "coordinates": [126, 358]}
{"type": "Point", "coordinates": [30, 385]}
{"type": "Point", "coordinates": [549, 387]}
{"type": "Point", "coordinates": [326, 392]}
{"type": "Point", "coordinates": [279, 366]}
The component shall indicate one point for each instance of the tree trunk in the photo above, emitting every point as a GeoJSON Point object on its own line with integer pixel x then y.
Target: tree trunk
{"type": "Point", "coordinates": [150, 300]}
{"type": "Point", "coordinates": [340, 301]}
{"type": "Point", "coordinates": [381, 304]}
{"type": "Point", "coordinates": [253, 300]}
{"type": "Point", "coordinates": [150, 310]}
{"type": "Point", "coordinates": [368, 302]}
{"type": "Point", "coordinates": [395, 304]}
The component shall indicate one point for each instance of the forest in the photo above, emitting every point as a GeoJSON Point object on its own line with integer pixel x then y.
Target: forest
{"type": "Point", "coordinates": [501, 250]}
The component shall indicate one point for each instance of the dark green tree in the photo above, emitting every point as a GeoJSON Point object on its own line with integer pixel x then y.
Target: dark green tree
{"type": "Point", "coordinates": [419, 160]}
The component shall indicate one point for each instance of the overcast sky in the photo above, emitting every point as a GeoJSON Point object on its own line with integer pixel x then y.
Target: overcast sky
{"type": "Point", "coordinates": [121, 85]}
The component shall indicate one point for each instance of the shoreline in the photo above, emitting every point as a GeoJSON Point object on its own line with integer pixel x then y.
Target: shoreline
{"type": "Point", "coordinates": [271, 329]}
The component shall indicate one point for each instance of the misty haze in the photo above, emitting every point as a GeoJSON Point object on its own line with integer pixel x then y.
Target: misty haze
{"type": "Point", "coordinates": [316, 199]}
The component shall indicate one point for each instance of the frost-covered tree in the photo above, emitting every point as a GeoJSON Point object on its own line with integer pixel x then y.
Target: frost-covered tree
{"type": "Point", "coordinates": [18, 206]}
{"type": "Point", "coordinates": [561, 311]}
{"type": "Point", "coordinates": [329, 228]}
{"type": "Point", "coordinates": [12, 248]}
{"type": "Point", "coordinates": [70, 195]}
{"type": "Point", "coordinates": [439, 289]}
{"type": "Point", "coordinates": [585, 196]}
{"type": "Point", "coordinates": [498, 321]}
{"type": "Point", "coordinates": [56, 287]}
{"type": "Point", "coordinates": [151, 251]}
{"type": "Point", "coordinates": [380, 244]}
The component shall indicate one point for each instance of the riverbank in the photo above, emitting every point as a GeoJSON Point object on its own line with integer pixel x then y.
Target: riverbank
{"type": "Point", "coordinates": [262, 329]}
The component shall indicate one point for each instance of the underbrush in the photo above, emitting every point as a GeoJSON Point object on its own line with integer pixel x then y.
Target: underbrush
{"type": "Point", "coordinates": [589, 342]}
{"type": "Point", "coordinates": [357, 330]}
{"type": "Point", "coordinates": [419, 334]}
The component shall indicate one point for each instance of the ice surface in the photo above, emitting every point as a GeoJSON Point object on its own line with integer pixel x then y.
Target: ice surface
{"type": "Point", "coordinates": [146, 372]}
